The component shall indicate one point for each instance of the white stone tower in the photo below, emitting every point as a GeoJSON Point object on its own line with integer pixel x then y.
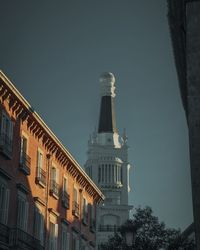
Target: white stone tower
{"type": "Point", "coordinates": [108, 165]}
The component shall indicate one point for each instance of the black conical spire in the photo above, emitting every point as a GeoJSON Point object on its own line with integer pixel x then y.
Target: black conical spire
{"type": "Point", "coordinates": [107, 120]}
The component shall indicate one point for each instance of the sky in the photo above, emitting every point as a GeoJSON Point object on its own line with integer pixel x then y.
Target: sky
{"type": "Point", "coordinates": [55, 51]}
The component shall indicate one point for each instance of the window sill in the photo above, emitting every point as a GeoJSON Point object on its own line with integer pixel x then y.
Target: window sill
{"type": "Point", "coordinates": [39, 182]}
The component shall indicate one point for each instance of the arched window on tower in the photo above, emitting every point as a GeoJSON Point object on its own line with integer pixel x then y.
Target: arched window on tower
{"type": "Point", "coordinates": [109, 173]}
{"type": "Point", "coordinates": [112, 173]}
{"type": "Point", "coordinates": [99, 174]}
{"type": "Point", "coordinates": [102, 172]}
{"type": "Point", "coordinates": [90, 171]}
{"type": "Point", "coordinates": [106, 173]}
{"type": "Point", "coordinates": [121, 175]}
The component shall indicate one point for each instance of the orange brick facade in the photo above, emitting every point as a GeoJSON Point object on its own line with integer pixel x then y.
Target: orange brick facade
{"type": "Point", "coordinates": [46, 200]}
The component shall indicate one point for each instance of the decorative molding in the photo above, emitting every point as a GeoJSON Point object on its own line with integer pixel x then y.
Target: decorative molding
{"type": "Point", "coordinates": [92, 243]}
{"type": "Point", "coordinates": [84, 237]}
{"type": "Point", "coordinates": [75, 229]}
{"type": "Point", "coordinates": [65, 221]}
{"type": "Point", "coordinates": [37, 199]}
{"type": "Point", "coordinates": [23, 188]}
{"type": "Point", "coordinates": [51, 210]}
{"type": "Point", "coordinates": [4, 174]}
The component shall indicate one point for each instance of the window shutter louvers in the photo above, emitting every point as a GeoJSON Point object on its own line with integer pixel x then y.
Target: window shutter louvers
{"type": "Point", "coordinates": [41, 228]}
{"type": "Point", "coordinates": [56, 236]}
{"type": "Point", "coordinates": [7, 198]}
{"type": "Point", "coordinates": [77, 244]}
{"type": "Point", "coordinates": [26, 207]}
{"type": "Point", "coordinates": [68, 240]}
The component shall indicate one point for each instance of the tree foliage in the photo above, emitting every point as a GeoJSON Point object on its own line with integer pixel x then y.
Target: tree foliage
{"type": "Point", "coordinates": [150, 234]}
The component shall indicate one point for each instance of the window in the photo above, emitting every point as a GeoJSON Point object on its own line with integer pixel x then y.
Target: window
{"type": "Point", "coordinates": [65, 195]}
{"type": "Point", "coordinates": [24, 145]}
{"type": "Point", "coordinates": [75, 209]}
{"type": "Point", "coordinates": [39, 225]}
{"type": "Point", "coordinates": [109, 173]}
{"type": "Point", "coordinates": [85, 211]}
{"type": "Point", "coordinates": [4, 202]}
{"type": "Point", "coordinates": [91, 209]}
{"type": "Point", "coordinates": [39, 159]}
{"type": "Point", "coordinates": [41, 174]}
{"type": "Point", "coordinates": [65, 238]}
{"type": "Point", "coordinates": [22, 211]}
{"type": "Point", "coordinates": [54, 190]}
{"type": "Point", "coordinates": [65, 184]}
{"type": "Point", "coordinates": [53, 235]}
{"type": "Point", "coordinates": [75, 242]}
{"type": "Point", "coordinates": [102, 172]}
{"type": "Point", "coordinates": [24, 158]}
{"type": "Point", "coordinates": [6, 135]}
{"type": "Point", "coordinates": [106, 173]}
{"type": "Point", "coordinates": [99, 174]}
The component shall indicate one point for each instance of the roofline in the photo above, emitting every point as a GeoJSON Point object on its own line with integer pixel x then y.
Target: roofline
{"type": "Point", "coordinates": [49, 131]}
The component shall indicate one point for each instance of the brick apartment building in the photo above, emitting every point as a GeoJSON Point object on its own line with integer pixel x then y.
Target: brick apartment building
{"type": "Point", "coordinates": [46, 200]}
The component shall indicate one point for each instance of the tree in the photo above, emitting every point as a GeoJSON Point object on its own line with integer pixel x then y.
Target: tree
{"type": "Point", "coordinates": [150, 234]}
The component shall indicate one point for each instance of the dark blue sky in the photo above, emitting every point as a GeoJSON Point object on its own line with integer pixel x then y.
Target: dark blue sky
{"type": "Point", "coordinates": [54, 52]}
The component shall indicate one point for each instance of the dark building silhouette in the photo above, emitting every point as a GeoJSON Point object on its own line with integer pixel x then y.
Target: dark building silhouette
{"type": "Point", "coordinates": [184, 22]}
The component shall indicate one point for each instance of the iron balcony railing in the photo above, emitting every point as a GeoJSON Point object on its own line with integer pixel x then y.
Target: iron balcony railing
{"type": "Point", "coordinates": [41, 176]}
{"type": "Point", "coordinates": [6, 145]}
{"type": "Point", "coordinates": [108, 228]}
{"type": "Point", "coordinates": [20, 239]}
{"type": "Point", "coordinates": [75, 209]}
{"type": "Point", "coordinates": [25, 163]}
{"type": "Point", "coordinates": [54, 188]}
{"type": "Point", "coordinates": [65, 199]}
{"type": "Point", "coordinates": [4, 234]}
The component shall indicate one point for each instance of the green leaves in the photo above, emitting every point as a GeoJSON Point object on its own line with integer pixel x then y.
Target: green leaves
{"type": "Point", "coordinates": [150, 234]}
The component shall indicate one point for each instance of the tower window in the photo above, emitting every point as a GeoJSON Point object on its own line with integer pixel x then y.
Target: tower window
{"type": "Point", "coordinates": [102, 172]}
{"type": "Point", "coordinates": [99, 174]}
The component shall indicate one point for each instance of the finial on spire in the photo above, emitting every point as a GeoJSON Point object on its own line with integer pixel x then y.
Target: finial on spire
{"type": "Point", "coordinates": [107, 81]}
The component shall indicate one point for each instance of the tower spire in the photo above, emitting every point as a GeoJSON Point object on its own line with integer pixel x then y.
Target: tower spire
{"type": "Point", "coordinates": [107, 120]}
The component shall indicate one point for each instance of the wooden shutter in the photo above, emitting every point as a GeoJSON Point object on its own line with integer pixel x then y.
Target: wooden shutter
{"type": "Point", "coordinates": [2, 198]}
{"type": "Point", "coordinates": [77, 244]}
{"type": "Point", "coordinates": [20, 212]}
{"type": "Point", "coordinates": [42, 228]}
{"type": "Point", "coordinates": [10, 130]}
{"type": "Point", "coordinates": [36, 223]}
{"type": "Point", "coordinates": [68, 241]}
{"type": "Point", "coordinates": [26, 207]}
{"type": "Point", "coordinates": [55, 236]}
{"type": "Point", "coordinates": [3, 123]}
{"type": "Point", "coordinates": [6, 207]}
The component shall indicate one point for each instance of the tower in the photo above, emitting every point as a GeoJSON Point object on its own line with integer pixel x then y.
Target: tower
{"type": "Point", "coordinates": [108, 165]}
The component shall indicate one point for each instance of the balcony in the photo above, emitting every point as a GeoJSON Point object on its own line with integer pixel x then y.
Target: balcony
{"type": "Point", "coordinates": [24, 241]}
{"type": "Point", "coordinates": [65, 199]}
{"type": "Point", "coordinates": [108, 228]}
{"type": "Point", "coordinates": [54, 189]}
{"type": "Point", "coordinates": [25, 163]}
{"type": "Point", "coordinates": [75, 209]}
{"type": "Point", "coordinates": [92, 225]}
{"type": "Point", "coordinates": [6, 145]}
{"type": "Point", "coordinates": [4, 234]}
{"type": "Point", "coordinates": [41, 177]}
